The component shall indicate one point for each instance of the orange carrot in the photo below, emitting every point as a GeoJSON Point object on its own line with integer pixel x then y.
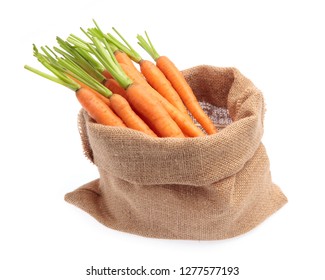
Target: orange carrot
{"type": "Point", "coordinates": [122, 57]}
{"type": "Point", "coordinates": [94, 106]}
{"type": "Point", "coordinates": [140, 98]}
{"type": "Point", "coordinates": [184, 121]}
{"type": "Point", "coordinates": [122, 108]}
{"type": "Point", "coordinates": [138, 95]}
{"type": "Point", "coordinates": [100, 96]}
{"type": "Point", "coordinates": [119, 113]}
{"type": "Point", "coordinates": [71, 76]}
{"type": "Point", "coordinates": [97, 109]}
{"type": "Point", "coordinates": [184, 90]}
{"type": "Point", "coordinates": [114, 87]}
{"type": "Point", "coordinates": [160, 83]}
{"type": "Point", "coordinates": [159, 86]}
{"type": "Point", "coordinates": [120, 105]}
{"type": "Point", "coordinates": [179, 83]}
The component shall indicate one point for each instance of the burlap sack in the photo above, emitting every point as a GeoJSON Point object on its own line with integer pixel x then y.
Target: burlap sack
{"type": "Point", "coordinates": [204, 188]}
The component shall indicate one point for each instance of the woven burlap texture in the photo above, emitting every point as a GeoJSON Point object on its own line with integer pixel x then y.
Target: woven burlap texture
{"type": "Point", "coordinates": [204, 188]}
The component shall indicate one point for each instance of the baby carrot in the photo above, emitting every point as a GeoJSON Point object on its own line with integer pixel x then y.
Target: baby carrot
{"type": "Point", "coordinates": [182, 120]}
{"type": "Point", "coordinates": [160, 83]}
{"type": "Point", "coordinates": [122, 108]}
{"type": "Point", "coordinates": [142, 100]}
{"type": "Point", "coordinates": [119, 105]}
{"type": "Point", "coordinates": [93, 105]}
{"type": "Point", "coordinates": [175, 109]}
{"type": "Point", "coordinates": [151, 73]}
{"type": "Point", "coordinates": [71, 75]}
{"type": "Point", "coordinates": [97, 109]}
{"type": "Point", "coordinates": [179, 83]}
{"type": "Point", "coordinates": [138, 95]}
{"type": "Point", "coordinates": [100, 96]}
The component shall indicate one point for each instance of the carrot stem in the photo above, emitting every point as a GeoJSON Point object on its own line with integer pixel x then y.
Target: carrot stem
{"type": "Point", "coordinates": [62, 68]}
{"type": "Point", "coordinates": [73, 55]}
{"type": "Point", "coordinates": [77, 72]}
{"type": "Point", "coordinates": [82, 47]}
{"type": "Point", "coordinates": [71, 84]}
{"type": "Point", "coordinates": [148, 46]}
{"type": "Point", "coordinates": [107, 58]}
{"type": "Point", "coordinates": [49, 55]}
{"type": "Point", "coordinates": [78, 42]}
{"type": "Point", "coordinates": [127, 48]}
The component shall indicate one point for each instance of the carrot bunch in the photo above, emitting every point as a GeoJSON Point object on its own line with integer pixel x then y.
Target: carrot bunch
{"type": "Point", "coordinates": [153, 98]}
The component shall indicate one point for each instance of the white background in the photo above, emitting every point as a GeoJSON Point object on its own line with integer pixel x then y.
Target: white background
{"type": "Point", "coordinates": [277, 44]}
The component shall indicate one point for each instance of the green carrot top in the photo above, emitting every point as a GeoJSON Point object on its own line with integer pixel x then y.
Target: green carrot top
{"type": "Point", "coordinates": [64, 70]}
{"type": "Point", "coordinates": [148, 46]}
